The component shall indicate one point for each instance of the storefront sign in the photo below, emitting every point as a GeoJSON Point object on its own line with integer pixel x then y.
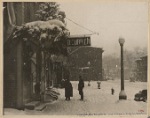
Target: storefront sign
{"type": "Point", "coordinates": [79, 41]}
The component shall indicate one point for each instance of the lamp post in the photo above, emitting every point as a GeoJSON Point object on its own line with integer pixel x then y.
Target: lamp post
{"type": "Point", "coordinates": [122, 94]}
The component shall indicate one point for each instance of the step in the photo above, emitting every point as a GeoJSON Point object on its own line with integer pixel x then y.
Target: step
{"type": "Point", "coordinates": [56, 92]}
{"type": "Point", "coordinates": [32, 105]}
{"type": "Point", "coordinates": [53, 91]}
{"type": "Point", "coordinates": [53, 96]}
{"type": "Point", "coordinates": [50, 98]}
{"type": "Point", "coordinates": [48, 93]}
{"type": "Point", "coordinates": [40, 107]}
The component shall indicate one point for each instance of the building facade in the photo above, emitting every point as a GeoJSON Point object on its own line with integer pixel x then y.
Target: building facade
{"type": "Point", "coordinates": [141, 69]}
{"type": "Point", "coordinates": [87, 62]}
{"type": "Point", "coordinates": [25, 67]}
{"type": "Point", "coordinates": [18, 85]}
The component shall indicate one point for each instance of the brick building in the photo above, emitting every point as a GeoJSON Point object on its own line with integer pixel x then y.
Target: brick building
{"type": "Point", "coordinates": [86, 61]}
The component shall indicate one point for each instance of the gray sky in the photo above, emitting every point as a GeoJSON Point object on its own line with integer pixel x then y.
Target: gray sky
{"type": "Point", "coordinates": [112, 20]}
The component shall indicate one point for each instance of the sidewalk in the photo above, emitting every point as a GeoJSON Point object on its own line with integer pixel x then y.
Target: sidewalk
{"type": "Point", "coordinates": [97, 101]}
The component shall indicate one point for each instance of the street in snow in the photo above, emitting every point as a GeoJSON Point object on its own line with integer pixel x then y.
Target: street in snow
{"type": "Point", "coordinates": [96, 101]}
{"type": "Point", "coordinates": [50, 47]}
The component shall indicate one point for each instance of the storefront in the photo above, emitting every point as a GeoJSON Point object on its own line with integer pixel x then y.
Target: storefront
{"type": "Point", "coordinates": [28, 66]}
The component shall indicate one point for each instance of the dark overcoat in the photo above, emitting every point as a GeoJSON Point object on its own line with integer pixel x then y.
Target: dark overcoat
{"type": "Point", "coordinates": [68, 89]}
{"type": "Point", "coordinates": [80, 85]}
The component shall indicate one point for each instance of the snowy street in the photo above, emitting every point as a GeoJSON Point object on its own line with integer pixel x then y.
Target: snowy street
{"type": "Point", "coordinates": [96, 101]}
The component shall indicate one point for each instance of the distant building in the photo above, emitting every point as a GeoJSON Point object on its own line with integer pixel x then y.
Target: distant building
{"type": "Point", "coordinates": [141, 69]}
{"type": "Point", "coordinates": [87, 62]}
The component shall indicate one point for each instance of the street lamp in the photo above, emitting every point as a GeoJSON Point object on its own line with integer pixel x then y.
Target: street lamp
{"type": "Point", "coordinates": [122, 94]}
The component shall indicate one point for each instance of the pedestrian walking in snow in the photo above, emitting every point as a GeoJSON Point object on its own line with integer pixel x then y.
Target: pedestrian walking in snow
{"type": "Point", "coordinates": [80, 87]}
{"type": "Point", "coordinates": [112, 91]}
{"type": "Point", "coordinates": [98, 84]}
{"type": "Point", "coordinates": [68, 89]}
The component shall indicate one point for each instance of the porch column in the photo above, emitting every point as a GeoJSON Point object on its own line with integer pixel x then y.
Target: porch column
{"type": "Point", "coordinates": [19, 103]}
{"type": "Point", "coordinates": [43, 82]}
{"type": "Point", "coordinates": [38, 72]}
{"type": "Point", "coordinates": [38, 66]}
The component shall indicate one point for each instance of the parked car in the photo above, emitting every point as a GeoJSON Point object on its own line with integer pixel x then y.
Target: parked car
{"type": "Point", "coordinates": [141, 96]}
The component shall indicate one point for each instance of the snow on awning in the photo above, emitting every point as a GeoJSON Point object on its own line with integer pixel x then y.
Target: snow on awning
{"type": "Point", "coordinates": [45, 24]}
{"type": "Point", "coordinates": [52, 28]}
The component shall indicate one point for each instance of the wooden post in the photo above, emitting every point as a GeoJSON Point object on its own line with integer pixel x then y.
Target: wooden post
{"type": "Point", "coordinates": [48, 73]}
{"type": "Point", "coordinates": [38, 70]}
{"type": "Point", "coordinates": [42, 76]}
{"type": "Point", "coordinates": [19, 103]}
{"type": "Point", "coordinates": [38, 65]}
{"type": "Point", "coordinates": [19, 57]}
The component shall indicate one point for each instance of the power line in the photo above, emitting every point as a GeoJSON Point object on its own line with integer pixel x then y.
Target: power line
{"type": "Point", "coordinates": [83, 27]}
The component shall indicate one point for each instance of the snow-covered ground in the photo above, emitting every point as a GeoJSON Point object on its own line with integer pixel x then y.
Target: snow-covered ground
{"type": "Point", "coordinates": [96, 102]}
